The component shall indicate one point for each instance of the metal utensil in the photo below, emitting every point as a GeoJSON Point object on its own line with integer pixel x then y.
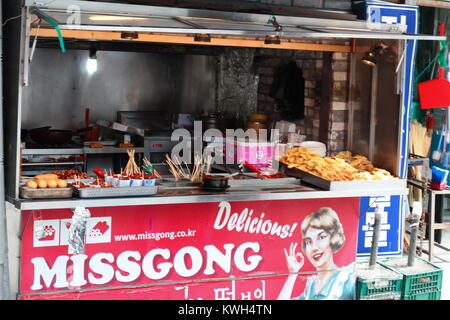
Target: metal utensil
{"type": "Point", "coordinates": [253, 168]}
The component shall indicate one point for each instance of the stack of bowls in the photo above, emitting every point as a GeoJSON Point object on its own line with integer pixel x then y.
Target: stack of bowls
{"type": "Point", "coordinates": [319, 147]}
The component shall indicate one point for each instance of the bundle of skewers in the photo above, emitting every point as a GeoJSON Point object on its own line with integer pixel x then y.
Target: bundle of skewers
{"type": "Point", "coordinates": [131, 168]}
{"type": "Point", "coordinates": [148, 167]}
{"type": "Point", "coordinates": [181, 170]}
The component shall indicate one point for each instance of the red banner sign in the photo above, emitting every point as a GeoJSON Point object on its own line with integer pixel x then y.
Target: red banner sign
{"type": "Point", "coordinates": [256, 250]}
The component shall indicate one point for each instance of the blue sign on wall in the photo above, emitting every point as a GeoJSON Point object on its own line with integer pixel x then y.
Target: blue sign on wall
{"type": "Point", "coordinates": [383, 12]}
{"type": "Point", "coordinates": [390, 240]}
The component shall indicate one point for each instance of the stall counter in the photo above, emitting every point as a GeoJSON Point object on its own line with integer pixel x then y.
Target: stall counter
{"type": "Point", "coordinates": [196, 195]}
{"type": "Point", "coordinates": [191, 245]}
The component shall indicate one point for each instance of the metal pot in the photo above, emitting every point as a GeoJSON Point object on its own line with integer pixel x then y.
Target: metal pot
{"type": "Point", "coordinates": [45, 135]}
{"type": "Point", "coordinates": [215, 183]}
{"type": "Point", "coordinates": [213, 121]}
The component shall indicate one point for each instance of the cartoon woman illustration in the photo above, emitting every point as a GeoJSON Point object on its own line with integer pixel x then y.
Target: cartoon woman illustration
{"type": "Point", "coordinates": [322, 236]}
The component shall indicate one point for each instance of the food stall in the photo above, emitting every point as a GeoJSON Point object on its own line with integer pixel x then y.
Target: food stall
{"type": "Point", "coordinates": [178, 238]}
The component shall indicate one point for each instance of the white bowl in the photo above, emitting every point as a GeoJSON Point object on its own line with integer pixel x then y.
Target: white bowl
{"type": "Point", "coordinates": [137, 182]}
{"type": "Point", "coordinates": [149, 182]}
{"type": "Point", "coordinates": [319, 147]}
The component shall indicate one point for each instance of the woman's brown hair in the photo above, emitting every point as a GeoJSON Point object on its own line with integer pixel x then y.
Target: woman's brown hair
{"type": "Point", "coordinates": [327, 219]}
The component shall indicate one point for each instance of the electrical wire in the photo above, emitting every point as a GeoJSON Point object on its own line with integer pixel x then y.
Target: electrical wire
{"type": "Point", "coordinates": [426, 68]}
{"type": "Point", "coordinates": [9, 19]}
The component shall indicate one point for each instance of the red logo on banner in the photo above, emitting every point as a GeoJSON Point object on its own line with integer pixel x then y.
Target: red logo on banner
{"type": "Point", "coordinates": [99, 229]}
{"type": "Point", "coordinates": [49, 232]}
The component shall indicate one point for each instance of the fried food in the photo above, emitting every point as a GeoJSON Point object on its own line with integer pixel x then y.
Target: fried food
{"type": "Point", "coordinates": [126, 145]}
{"type": "Point", "coordinates": [311, 162]}
{"type": "Point", "coordinates": [61, 183]}
{"type": "Point", "coordinates": [357, 161]}
{"type": "Point", "coordinates": [46, 183]}
{"type": "Point", "coordinates": [52, 184]}
{"type": "Point", "coordinates": [42, 184]}
{"type": "Point", "coordinates": [345, 155]}
{"type": "Point", "coordinates": [342, 167]}
{"type": "Point", "coordinates": [31, 184]}
{"type": "Point", "coordinates": [46, 176]}
{"type": "Point", "coordinates": [71, 174]}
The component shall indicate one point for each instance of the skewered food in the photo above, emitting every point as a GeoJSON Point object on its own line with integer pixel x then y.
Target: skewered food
{"type": "Point", "coordinates": [71, 174]}
{"type": "Point", "coordinates": [148, 167]}
{"type": "Point", "coordinates": [46, 176]}
{"type": "Point", "coordinates": [95, 184]}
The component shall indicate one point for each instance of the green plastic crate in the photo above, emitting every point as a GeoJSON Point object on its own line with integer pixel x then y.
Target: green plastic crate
{"type": "Point", "coordinates": [380, 283]}
{"type": "Point", "coordinates": [419, 286]}
{"type": "Point", "coordinates": [433, 295]}
{"type": "Point", "coordinates": [378, 289]}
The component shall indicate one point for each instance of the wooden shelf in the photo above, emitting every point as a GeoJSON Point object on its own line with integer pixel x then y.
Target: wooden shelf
{"type": "Point", "coordinates": [183, 39]}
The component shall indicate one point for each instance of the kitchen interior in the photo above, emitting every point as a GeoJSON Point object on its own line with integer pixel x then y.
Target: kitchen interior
{"type": "Point", "coordinates": [158, 88]}
{"type": "Point", "coordinates": [113, 105]}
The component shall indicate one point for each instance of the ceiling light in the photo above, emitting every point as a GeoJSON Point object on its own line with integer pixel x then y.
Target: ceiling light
{"type": "Point", "coordinates": [92, 63]}
{"type": "Point", "coordinates": [129, 35]}
{"type": "Point", "coordinates": [272, 40]}
{"type": "Point", "coordinates": [114, 18]}
{"type": "Point", "coordinates": [371, 57]}
{"type": "Point", "coordinates": [202, 38]}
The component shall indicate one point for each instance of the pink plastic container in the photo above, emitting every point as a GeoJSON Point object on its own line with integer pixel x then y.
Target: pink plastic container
{"type": "Point", "coordinates": [259, 154]}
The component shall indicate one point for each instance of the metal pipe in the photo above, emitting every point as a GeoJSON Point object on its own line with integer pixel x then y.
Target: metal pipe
{"type": "Point", "coordinates": [375, 237]}
{"type": "Point", "coordinates": [413, 240]}
{"type": "Point", "coordinates": [373, 112]}
{"type": "Point", "coordinates": [93, 7]}
{"type": "Point", "coordinates": [416, 214]}
{"type": "Point", "coordinates": [4, 268]}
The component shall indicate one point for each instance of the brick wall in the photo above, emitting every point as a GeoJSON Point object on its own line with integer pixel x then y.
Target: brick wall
{"type": "Point", "coordinates": [311, 62]}
{"type": "Point", "coordinates": [339, 107]}
{"type": "Point", "coordinates": [322, 4]}
{"type": "Point", "coordinates": [268, 60]}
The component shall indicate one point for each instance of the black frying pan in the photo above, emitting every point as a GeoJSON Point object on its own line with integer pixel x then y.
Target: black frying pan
{"type": "Point", "coordinates": [45, 135]}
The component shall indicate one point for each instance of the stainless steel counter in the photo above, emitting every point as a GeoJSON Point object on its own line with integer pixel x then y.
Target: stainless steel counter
{"type": "Point", "coordinates": [196, 195]}
{"type": "Point", "coordinates": [84, 150]}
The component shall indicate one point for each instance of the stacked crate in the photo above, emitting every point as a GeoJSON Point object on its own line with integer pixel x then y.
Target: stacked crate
{"type": "Point", "coordinates": [379, 283]}
{"type": "Point", "coordinates": [425, 284]}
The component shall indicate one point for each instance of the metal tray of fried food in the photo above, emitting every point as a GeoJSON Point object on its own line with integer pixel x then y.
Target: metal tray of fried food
{"type": "Point", "coordinates": [342, 185]}
{"type": "Point", "coordinates": [48, 193]}
{"type": "Point", "coordinates": [115, 192]}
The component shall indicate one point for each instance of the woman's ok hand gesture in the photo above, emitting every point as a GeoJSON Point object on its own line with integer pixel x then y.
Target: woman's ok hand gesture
{"type": "Point", "coordinates": [295, 261]}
